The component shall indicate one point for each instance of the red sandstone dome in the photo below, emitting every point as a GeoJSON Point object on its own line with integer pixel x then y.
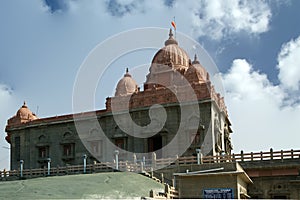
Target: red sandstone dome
{"type": "Point", "coordinates": [196, 72]}
{"type": "Point", "coordinates": [172, 54]}
{"type": "Point", "coordinates": [126, 85]}
{"type": "Point", "coordinates": [25, 114]}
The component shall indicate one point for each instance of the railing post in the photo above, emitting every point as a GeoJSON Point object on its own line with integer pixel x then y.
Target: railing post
{"type": "Point", "coordinates": [21, 168]}
{"type": "Point", "coordinates": [242, 155]}
{"type": "Point", "coordinates": [144, 161]}
{"type": "Point", "coordinates": [142, 166]}
{"type": "Point", "coordinates": [126, 166]}
{"type": "Point", "coordinates": [4, 174]}
{"type": "Point", "coordinates": [177, 160]}
{"type": "Point", "coordinates": [261, 155]}
{"type": "Point", "coordinates": [173, 182]}
{"type": "Point", "coordinates": [281, 155]}
{"type": "Point", "coordinates": [117, 159]}
{"type": "Point", "coordinates": [151, 194]}
{"type": "Point", "coordinates": [134, 158]}
{"type": "Point", "coordinates": [167, 191]}
{"type": "Point", "coordinates": [251, 156]}
{"type": "Point", "coordinates": [222, 158]}
{"type": "Point", "coordinates": [199, 156]}
{"type": "Point", "coordinates": [94, 165]}
{"type": "Point", "coordinates": [151, 172]}
{"type": "Point", "coordinates": [271, 153]}
{"type": "Point", "coordinates": [292, 153]}
{"type": "Point", "coordinates": [49, 161]}
{"type": "Point", "coordinates": [57, 170]}
{"type": "Point", "coordinates": [162, 178]}
{"type": "Point", "coordinates": [153, 160]}
{"type": "Point", "coordinates": [84, 163]}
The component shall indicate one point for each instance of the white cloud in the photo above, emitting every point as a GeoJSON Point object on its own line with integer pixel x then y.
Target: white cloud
{"type": "Point", "coordinates": [242, 82]}
{"type": "Point", "coordinates": [289, 65]}
{"type": "Point", "coordinates": [6, 106]}
{"type": "Point", "coordinates": [256, 110]}
{"type": "Point", "coordinates": [218, 19]}
{"type": "Point", "coordinates": [214, 19]}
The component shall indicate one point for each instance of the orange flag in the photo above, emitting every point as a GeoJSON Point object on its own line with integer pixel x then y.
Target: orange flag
{"type": "Point", "coordinates": [173, 24]}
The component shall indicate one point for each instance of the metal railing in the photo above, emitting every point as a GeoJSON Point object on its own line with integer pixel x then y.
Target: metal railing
{"type": "Point", "coordinates": [148, 164]}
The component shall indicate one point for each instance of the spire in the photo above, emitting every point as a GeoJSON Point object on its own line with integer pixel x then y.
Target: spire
{"type": "Point", "coordinates": [127, 73]}
{"type": "Point", "coordinates": [170, 34]}
{"type": "Point", "coordinates": [171, 40]}
{"type": "Point", "coordinates": [24, 105]}
{"type": "Point", "coordinates": [195, 60]}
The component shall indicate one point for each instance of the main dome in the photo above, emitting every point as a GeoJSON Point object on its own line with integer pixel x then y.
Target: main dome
{"type": "Point", "coordinates": [126, 85]}
{"type": "Point", "coordinates": [171, 54]}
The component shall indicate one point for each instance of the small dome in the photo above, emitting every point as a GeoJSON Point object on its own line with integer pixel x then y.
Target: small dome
{"type": "Point", "coordinates": [126, 85]}
{"type": "Point", "coordinates": [196, 72]}
{"type": "Point", "coordinates": [25, 114]}
{"type": "Point", "coordinates": [171, 53]}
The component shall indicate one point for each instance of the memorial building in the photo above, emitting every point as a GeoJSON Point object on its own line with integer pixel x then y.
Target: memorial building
{"type": "Point", "coordinates": [176, 114]}
{"type": "Point", "coordinates": [35, 139]}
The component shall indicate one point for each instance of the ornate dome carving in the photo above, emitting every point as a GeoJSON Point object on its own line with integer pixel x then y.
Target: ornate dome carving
{"type": "Point", "coordinates": [23, 115]}
{"type": "Point", "coordinates": [126, 85]}
{"type": "Point", "coordinates": [196, 72]}
{"type": "Point", "coordinates": [171, 54]}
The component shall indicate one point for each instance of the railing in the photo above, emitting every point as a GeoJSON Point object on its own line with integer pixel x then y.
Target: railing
{"type": "Point", "coordinates": [55, 171]}
{"type": "Point", "coordinates": [246, 157]}
{"type": "Point", "coordinates": [169, 193]}
{"type": "Point", "coordinates": [149, 164]}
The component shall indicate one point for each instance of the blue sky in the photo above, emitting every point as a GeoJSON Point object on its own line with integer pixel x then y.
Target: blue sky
{"type": "Point", "coordinates": [255, 44]}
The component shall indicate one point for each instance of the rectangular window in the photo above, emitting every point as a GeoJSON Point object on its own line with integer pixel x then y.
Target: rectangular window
{"type": "Point", "coordinates": [96, 147]}
{"type": "Point", "coordinates": [68, 150]}
{"type": "Point", "coordinates": [18, 148]}
{"type": "Point", "coordinates": [43, 152]}
{"type": "Point", "coordinates": [120, 143]}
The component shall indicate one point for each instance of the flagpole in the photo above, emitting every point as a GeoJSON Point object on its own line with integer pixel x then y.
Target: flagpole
{"type": "Point", "coordinates": [174, 27]}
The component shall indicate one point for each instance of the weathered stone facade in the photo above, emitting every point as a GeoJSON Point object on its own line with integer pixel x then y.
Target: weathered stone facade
{"type": "Point", "coordinates": [171, 74]}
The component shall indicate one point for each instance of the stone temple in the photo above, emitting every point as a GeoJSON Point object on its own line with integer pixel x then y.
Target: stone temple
{"type": "Point", "coordinates": [176, 115]}
{"type": "Point", "coordinates": [194, 116]}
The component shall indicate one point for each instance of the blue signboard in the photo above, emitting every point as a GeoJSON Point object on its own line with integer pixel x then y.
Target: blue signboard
{"type": "Point", "coordinates": [218, 193]}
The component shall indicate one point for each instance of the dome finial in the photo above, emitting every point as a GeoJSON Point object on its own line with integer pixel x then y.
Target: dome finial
{"type": "Point", "coordinates": [24, 105]}
{"type": "Point", "coordinates": [126, 85]}
{"type": "Point", "coordinates": [170, 34]}
{"type": "Point", "coordinates": [127, 73]}
{"type": "Point", "coordinates": [195, 60]}
{"type": "Point", "coordinates": [171, 40]}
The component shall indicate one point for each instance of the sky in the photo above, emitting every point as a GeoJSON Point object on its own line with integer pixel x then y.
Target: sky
{"type": "Point", "coordinates": [255, 45]}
